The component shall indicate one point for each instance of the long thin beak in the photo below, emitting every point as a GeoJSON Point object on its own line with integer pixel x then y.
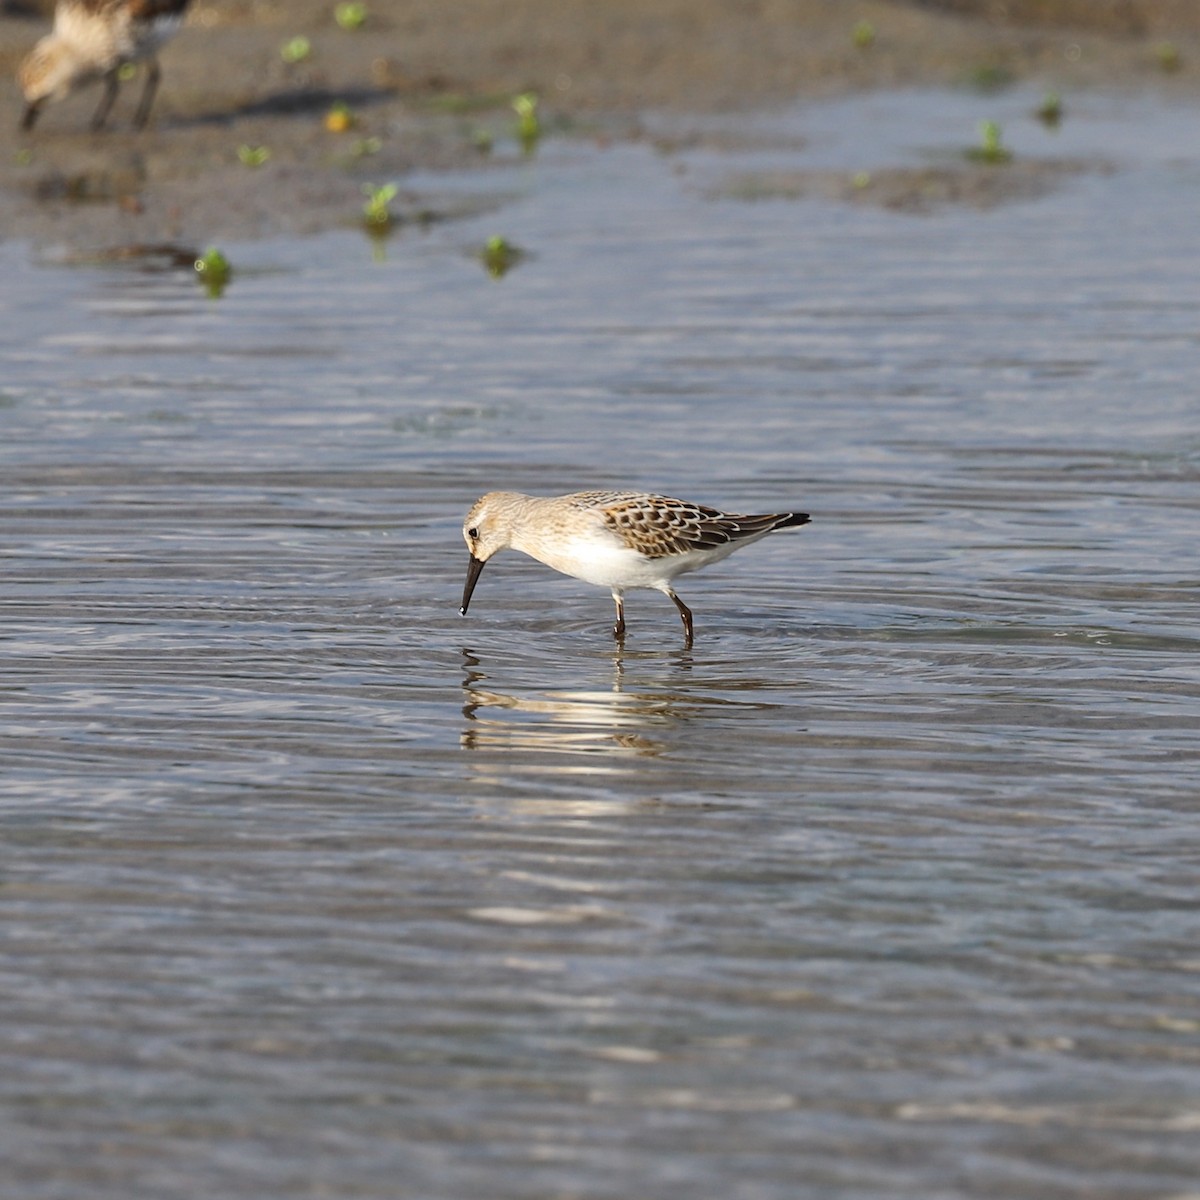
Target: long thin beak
{"type": "Point", "coordinates": [473, 569]}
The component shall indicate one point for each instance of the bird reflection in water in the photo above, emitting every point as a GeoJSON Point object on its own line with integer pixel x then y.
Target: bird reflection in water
{"type": "Point", "coordinates": [611, 721]}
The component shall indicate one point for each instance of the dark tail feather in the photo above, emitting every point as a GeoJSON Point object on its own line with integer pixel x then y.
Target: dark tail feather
{"type": "Point", "coordinates": [734, 528]}
{"type": "Point", "coordinates": [787, 520]}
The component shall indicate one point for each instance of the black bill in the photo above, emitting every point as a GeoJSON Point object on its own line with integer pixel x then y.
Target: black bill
{"type": "Point", "coordinates": [473, 569]}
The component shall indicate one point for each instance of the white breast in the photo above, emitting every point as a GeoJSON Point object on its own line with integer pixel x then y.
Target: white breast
{"type": "Point", "coordinates": [606, 564]}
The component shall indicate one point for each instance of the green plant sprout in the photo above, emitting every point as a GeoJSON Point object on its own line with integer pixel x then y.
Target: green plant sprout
{"type": "Point", "coordinates": [253, 156]}
{"type": "Point", "coordinates": [213, 271]}
{"type": "Point", "coordinates": [295, 50]}
{"type": "Point", "coordinates": [1050, 111]}
{"type": "Point", "coordinates": [363, 147]}
{"type": "Point", "coordinates": [529, 127]}
{"type": "Point", "coordinates": [1169, 58]}
{"type": "Point", "coordinates": [499, 256]}
{"type": "Point", "coordinates": [481, 139]}
{"type": "Point", "coordinates": [350, 16]}
{"type": "Point", "coordinates": [377, 216]}
{"type": "Point", "coordinates": [863, 35]}
{"type": "Point", "coordinates": [990, 149]}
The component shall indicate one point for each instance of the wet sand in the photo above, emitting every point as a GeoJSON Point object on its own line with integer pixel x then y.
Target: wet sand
{"type": "Point", "coordinates": [429, 82]}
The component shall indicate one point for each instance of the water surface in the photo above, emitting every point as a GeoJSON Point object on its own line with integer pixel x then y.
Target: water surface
{"type": "Point", "coordinates": [885, 888]}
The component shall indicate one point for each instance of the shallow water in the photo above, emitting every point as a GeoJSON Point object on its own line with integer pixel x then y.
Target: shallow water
{"type": "Point", "coordinates": [886, 888]}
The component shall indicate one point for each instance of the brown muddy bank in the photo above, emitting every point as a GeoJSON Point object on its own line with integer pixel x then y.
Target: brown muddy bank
{"type": "Point", "coordinates": [429, 82]}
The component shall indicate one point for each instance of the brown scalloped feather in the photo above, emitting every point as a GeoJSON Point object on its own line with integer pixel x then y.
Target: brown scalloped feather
{"type": "Point", "coordinates": [659, 526]}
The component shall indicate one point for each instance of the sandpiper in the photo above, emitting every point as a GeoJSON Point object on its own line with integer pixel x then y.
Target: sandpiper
{"type": "Point", "coordinates": [617, 540]}
{"type": "Point", "coordinates": [95, 39]}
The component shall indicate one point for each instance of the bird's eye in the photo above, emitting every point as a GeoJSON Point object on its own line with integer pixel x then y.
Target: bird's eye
{"type": "Point", "coordinates": [473, 534]}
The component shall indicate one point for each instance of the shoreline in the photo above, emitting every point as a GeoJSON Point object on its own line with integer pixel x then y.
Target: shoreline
{"type": "Point", "coordinates": [427, 84]}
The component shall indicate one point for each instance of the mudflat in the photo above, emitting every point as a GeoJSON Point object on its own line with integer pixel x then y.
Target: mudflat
{"type": "Point", "coordinates": [244, 140]}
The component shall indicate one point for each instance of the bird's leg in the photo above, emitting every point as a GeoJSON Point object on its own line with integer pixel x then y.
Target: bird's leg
{"type": "Point", "coordinates": [619, 627]}
{"type": "Point", "coordinates": [149, 90]}
{"type": "Point", "coordinates": [30, 115]}
{"type": "Point", "coordinates": [686, 614]}
{"type": "Point", "coordinates": [111, 86]}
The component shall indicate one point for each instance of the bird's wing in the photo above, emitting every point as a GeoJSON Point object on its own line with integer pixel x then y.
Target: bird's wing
{"type": "Point", "coordinates": [658, 526]}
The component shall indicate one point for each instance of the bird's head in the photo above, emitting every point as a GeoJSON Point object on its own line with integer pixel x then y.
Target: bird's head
{"type": "Point", "coordinates": [486, 530]}
{"type": "Point", "coordinates": [51, 70]}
